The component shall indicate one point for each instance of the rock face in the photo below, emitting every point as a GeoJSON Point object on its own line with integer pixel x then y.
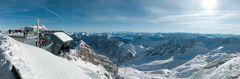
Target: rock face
{"type": "Point", "coordinates": [116, 50]}
{"type": "Point", "coordinates": [86, 53]}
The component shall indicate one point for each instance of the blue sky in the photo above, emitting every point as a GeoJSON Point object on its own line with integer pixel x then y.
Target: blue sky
{"type": "Point", "coordinates": [197, 16]}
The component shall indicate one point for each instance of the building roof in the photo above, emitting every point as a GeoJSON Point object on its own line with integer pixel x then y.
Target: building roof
{"type": "Point", "coordinates": [35, 27]}
{"type": "Point", "coordinates": [63, 36]}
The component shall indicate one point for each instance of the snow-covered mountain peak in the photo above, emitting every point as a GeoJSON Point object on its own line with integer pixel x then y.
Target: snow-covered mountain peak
{"type": "Point", "coordinates": [82, 42]}
{"type": "Point", "coordinates": [83, 48]}
{"type": "Point", "coordinates": [84, 52]}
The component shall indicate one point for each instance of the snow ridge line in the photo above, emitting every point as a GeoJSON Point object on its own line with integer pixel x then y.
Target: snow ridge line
{"type": "Point", "coordinates": [10, 50]}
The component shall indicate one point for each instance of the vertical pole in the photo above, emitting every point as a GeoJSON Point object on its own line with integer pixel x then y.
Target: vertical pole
{"type": "Point", "coordinates": [37, 32]}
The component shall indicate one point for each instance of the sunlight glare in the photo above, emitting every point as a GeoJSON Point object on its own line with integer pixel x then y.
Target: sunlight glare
{"type": "Point", "coordinates": [209, 4]}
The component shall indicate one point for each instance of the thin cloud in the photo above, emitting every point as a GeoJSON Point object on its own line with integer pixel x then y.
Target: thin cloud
{"type": "Point", "coordinates": [54, 13]}
{"type": "Point", "coordinates": [45, 8]}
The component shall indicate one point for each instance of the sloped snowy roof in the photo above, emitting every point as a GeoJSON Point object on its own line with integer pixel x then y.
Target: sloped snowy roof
{"type": "Point", "coordinates": [63, 36]}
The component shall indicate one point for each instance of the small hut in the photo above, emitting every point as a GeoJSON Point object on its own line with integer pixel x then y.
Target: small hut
{"type": "Point", "coordinates": [61, 42]}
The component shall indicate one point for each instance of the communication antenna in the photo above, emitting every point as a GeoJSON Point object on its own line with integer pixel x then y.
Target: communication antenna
{"type": "Point", "coordinates": [37, 32]}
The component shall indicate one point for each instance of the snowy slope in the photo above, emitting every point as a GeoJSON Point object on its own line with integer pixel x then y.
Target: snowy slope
{"type": "Point", "coordinates": [165, 55]}
{"type": "Point", "coordinates": [35, 63]}
{"type": "Point", "coordinates": [213, 65]}
{"type": "Point", "coordinates": [85, 56]}
{"type": "Point", "coordinates": [229, 70]}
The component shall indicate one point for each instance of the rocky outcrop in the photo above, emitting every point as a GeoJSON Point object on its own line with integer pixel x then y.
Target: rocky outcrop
{"type": "Point", "coordinates": [116, 50]}
{"type": "Point", "coordinates": [86, 53]}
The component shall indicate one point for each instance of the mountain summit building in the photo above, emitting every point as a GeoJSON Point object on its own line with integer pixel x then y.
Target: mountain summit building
{"type": "Point", "coordinates": [54, 41]}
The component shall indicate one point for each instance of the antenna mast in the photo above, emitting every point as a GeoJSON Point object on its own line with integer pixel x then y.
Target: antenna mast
{"type": "Point", "coordinates": [37, 32]}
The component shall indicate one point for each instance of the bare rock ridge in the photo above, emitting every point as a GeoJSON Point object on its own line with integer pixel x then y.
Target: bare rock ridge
{"type": "Point", "coordinates": [86, 53]}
